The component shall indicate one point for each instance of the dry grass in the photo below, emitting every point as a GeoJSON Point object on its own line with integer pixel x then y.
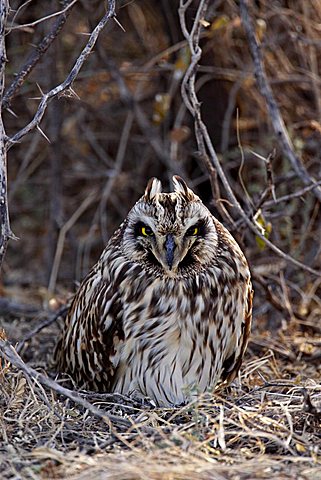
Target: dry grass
{"type": "Point", "coordinates": [266, 425]}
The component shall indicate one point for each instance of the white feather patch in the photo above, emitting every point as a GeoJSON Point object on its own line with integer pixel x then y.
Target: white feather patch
{"type": "Point", "coordinates": [153, 188]}
{"type": "Point", "coordinates": [156, 187]}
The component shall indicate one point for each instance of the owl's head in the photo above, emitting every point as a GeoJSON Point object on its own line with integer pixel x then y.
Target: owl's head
{"type": "Point", "coordinates": [170, 232]}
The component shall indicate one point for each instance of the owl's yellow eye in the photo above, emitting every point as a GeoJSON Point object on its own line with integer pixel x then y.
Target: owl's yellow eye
{"type": "Point", "coordinates": [147, 231]}
{"type": "Point", "coordinates": [192, 231]}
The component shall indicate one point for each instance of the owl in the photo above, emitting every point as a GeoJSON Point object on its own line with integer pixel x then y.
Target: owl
{"type": "Point", "coordinates": [166, 311]}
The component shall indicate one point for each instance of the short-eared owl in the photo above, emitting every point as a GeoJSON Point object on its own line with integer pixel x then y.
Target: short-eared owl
{"type": "Point", "coordinates": [167, 308]}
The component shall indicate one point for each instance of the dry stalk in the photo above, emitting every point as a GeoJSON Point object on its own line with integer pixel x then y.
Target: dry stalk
{"type": "Point", "coordinates": [61, 240]}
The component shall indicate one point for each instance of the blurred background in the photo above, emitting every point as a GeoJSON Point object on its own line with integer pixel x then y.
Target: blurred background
{"type": "Point", "coordinates": [125, 122]}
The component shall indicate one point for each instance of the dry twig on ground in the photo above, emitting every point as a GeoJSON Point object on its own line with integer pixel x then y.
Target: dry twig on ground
{"type": "Point", "coordinates": [265, 426]}
{"type": "Point", "coordinates": [8, 353]}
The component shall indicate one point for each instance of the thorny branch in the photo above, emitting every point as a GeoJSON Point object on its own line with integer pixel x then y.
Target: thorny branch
{"type": "Point", "coordinates": [67, 83]}
{"type": "Point", "coordinates": [206, 150]}
{"type": "Point", "coordinates": [36, 55]}
{"type": "Point", "coordinates": [5, 142]}
{"type": "Point", "coordinates": [5, 232]}
{"type": "Point", "coordinates": [274, 112]}
{"type": "Point", "coordinates": [70, 4]}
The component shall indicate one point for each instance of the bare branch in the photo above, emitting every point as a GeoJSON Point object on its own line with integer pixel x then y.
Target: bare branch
{"type": "Point", "coordinates": [43, 19]}
{"type": "Point", "coordinates": [61, 239]}
{"type": "Point", "coordinates": [287, 198]}
{"type": "Point", "coordinates": [119, 160]}
{"type": "Point", "coordinates": [5, 231]}
{"type": "Point", "coordinates": [67, 83]}
{"type": "Point", "coordinates": [7, 352]}
{"type": "Point", "coordinates": [274, 112]}
{"type": "Point", "coordinates": [61, 313]}
{"type": "Point", "coordinates": [205, 145]}
{"type": "Point", "coordinates": [36, 55]}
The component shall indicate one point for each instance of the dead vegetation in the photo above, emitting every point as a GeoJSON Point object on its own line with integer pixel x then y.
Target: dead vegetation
{"type": "Point", "coordinates": [267, 424]}
{"type": "Point", "coordinates": [66, 198]}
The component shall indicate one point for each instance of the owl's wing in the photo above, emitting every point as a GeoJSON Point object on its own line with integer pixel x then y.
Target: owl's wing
{"type": "Point", "coordinates": [89, 346]}
{"type": "Point", "coordinates": [232, 364]}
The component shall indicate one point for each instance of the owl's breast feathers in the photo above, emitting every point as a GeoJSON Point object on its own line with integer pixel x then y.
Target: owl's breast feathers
{"type": "Point", "coordinates": [130, 328]}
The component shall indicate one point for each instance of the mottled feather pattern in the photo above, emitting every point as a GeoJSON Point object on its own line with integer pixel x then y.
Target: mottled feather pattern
{"type": "Point", "coordinates": [163, 323]}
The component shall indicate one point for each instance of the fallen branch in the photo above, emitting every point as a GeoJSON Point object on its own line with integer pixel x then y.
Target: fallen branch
{"type": "Point", "coordinates": [7, 352]}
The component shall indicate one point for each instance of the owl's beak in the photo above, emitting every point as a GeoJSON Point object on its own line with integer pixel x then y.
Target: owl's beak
{"type": "Point", "coordinates": [169, 248]}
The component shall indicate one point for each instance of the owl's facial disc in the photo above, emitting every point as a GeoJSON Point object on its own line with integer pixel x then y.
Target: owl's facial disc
{"type": "Point", "coordinates": [170, 232]}
{"type": "Point", "coordinates": [175, 249]}
{"type": "Point", "coordinates": [169, 249]}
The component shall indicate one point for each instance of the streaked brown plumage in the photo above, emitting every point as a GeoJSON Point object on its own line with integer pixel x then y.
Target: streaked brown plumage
{"type": "Point", "coordinates": [167, 309]}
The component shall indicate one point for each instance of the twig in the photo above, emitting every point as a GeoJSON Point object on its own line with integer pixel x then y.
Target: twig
{"type": "Point", "coordinates": [120, 157]}
{"type": "Point", "coordinates": [274, 112]}
{"type": "Point", "coordinates": [312, 58]}
{"type": "Point", "coordinates": [19, 9]}
{"type": "Point", "coordinates": [36, 55]}
{"type": "Point", "coordinates": [274, 300]}
{"type": "Point", "coordinates": [289, 197]}
{"type": "Point", "coordinates": [61, 313]}
{"type": "Point", "coordinates": [61, 239]}
{"type": "Point", "coordinates": [5, 232]}
{"type": "Point", "coordinates": [230, 111]}
{"type": "Point", "coordinates": [308, 405]}
{"type": "Point", "coordinates": [8, 353]}
{"type": "Point", "coordinates": [270, 189]}
{"type": "Point", "coordinates": [240, 172]}
{"type": "Point", "coordinates": [67, 83]}
{"type": "Point", "coordinates": [205, 145]}
{"type": "Point", "coordinates": [43, 19]}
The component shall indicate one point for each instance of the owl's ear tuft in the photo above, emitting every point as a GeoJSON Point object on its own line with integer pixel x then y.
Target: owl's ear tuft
{"type": "Point", "coordinates": [154, 186]}
{"type": "Point", "coordinates": [180, 186]}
